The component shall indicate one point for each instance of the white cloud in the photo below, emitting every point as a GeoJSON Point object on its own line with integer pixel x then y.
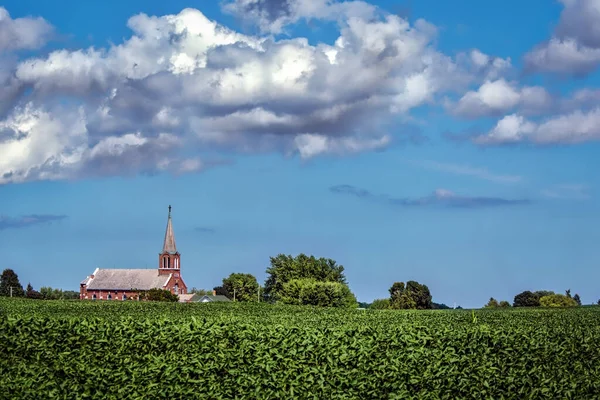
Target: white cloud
{"type": "Point", "coordinates": [184, 82]}
{"type": "Point", "coordinates": [22, 33]}
{"type": "Point", "coordinates": [494, 98]}
{"type": "Point", "coordinates": [575, 127]}
{"type": "Point", "coordinates": [574, 48]}
{"type": "Point", "coordinates": [310, 145]}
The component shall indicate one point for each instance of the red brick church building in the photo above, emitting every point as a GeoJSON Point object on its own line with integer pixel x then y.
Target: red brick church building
{"type": "Point", "coordinates": [122, 284]}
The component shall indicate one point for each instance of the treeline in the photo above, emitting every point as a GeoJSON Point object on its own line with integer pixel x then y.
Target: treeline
{"type": "Point", "coordinates": [10, 286]}
{"type": "Point", "coordinates": [307, 280]}
{"type": "Point", "coordinates": [299, 280]}
{"type": "Point", "coordinates": [540, 298]}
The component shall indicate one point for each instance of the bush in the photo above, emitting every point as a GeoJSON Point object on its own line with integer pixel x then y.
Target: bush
{"type": "Point", "coordinates": [316, 293]}
{"type": "Point", "coordinates": [380, 304]}
{"type": "Point", "coordinates": [557, 300]}
{"type": "Point", "coordinates": [158, 295]}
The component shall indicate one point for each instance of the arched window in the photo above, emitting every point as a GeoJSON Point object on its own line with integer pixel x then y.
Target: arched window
{"type": "Point", "coordinates": [94, 296]}
{"type": "Point", "coordinates": [164, 262]}
{"type": "Point", "coordinates": [176, 263]}
{"type": "Point", "coordinates": [124, 296]}
{"type": "Point", "coordinates": [109, 296]}
{"type": "Point", "coordinates": [176, 289]}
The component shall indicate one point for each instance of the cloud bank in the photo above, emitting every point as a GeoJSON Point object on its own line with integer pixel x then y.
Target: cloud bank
{"type": "Point", "coordinates": [28, 220]}
{"type": "Point", "coordinates": [574, 48]}
{"type": "Point", "coordinates": [184, 89]}
{"type": "Point", "coordinates": [439, 198]}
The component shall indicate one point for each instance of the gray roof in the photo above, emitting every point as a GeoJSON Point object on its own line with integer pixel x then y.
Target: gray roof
{"type": "Point", "coordinates": [218, 297]}
{"type": "Point", "coordinates": [169, 244]}
{"type": "Point", "coordinates": [125, 279]}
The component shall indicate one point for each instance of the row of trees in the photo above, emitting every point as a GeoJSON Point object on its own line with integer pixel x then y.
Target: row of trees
{"type": "Point", "coordinates": [10, 286]}
{"type": "Point", "coordinates": [540, 298]}
{"type": "Point", "coordinates": [307, 280]}
{"type": "Point", "coordinates": [300, 280]}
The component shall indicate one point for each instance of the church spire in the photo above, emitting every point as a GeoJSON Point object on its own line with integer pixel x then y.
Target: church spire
{"type": "Point", "coordinates": [169, 245]}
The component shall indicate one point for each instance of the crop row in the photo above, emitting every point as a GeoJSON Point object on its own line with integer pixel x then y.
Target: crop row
{"type": "Point", "coordinates": [260, 352]}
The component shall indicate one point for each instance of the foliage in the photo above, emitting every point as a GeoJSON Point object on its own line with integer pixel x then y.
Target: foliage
{"type": "Point", "coordinates": [155, 294]}
{"type": "Point", "coordinates": [243, 287]}
{"type": "Point", "coordinates": [493, 303]}
{"type": "Point", "coordinates": [317, 293]}
{"type": "Point", "coordinates": [526, 299]}
{"type": "Point", "coordinates": [413, 296]}
{"type": "Point", "coordinates": [49, 293]}
{"type": "Point", "coordinates": [577, 299]}
{"type": "Point", "coordinates": [200, 292]}
{"type": "Point", "coordinates": [440, 306]}
{"type": "Point", "coordinates": [131, 350]}
{"type": "Point", "coordinates": [380, 304]}
{"type": "Point", "coordinates": [221, 291]}
{"type": "Point", "coordinates": [30, 293]}
{"type": "Point", "coordinates": [542, 293]}
{"type": "Point", "coordinates": [10, 279]}
{"type": "Point", "coordinates": [557, 300]}
{"type": "Point", "coordinates": [284, 268]}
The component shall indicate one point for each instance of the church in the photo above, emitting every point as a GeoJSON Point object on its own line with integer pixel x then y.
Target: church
{"type": "Point", "coordinates": [123, 284]}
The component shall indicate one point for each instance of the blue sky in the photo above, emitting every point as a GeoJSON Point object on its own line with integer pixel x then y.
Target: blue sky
{"type": "Point", "coordinates": [452, 143]}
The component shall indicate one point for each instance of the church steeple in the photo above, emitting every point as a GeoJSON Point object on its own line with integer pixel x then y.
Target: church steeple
{"type": "Point", "coordinates": [169, 244]}
{"type": "Point", "coordinates": [169, 258]}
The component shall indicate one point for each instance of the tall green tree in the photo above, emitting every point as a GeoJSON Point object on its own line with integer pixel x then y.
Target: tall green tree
{"type": "Point", "coordinates": [577, 299]}
{"type": "Point", "coordinates": [221, 291]}
{"type": "Point", "coordinates": [243, 287]}
{"type": "Point", "coordinates": [526, 299]}
{"type": "Point", "coordinates": [284, 268]}
{"type": "Point", "coordinates": [542, 293]}
{"type": "Point", "coordinates": [9, 279]}
{"type": "Point", "coordinates": [413, 295]}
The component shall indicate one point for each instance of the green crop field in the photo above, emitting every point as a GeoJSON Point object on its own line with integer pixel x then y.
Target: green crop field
{"type": "Point", "coordinates": [131, 350]}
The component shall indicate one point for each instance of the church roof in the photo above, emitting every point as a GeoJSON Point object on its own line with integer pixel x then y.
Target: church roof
{"type": "Point", "coordinates": [127, 279]}
{"type": "Point", "coordinates": [169, 244]}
